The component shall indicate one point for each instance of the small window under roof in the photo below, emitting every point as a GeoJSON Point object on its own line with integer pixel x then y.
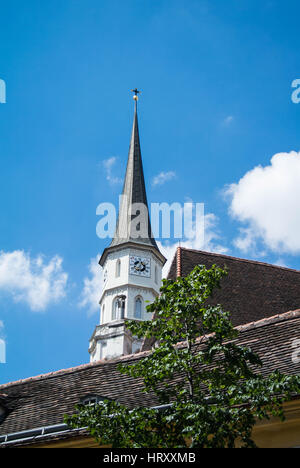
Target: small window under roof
{"type": "Point", "coordinates": [3, 413]}
{"type": "Point", "coordinates": [92, 399]}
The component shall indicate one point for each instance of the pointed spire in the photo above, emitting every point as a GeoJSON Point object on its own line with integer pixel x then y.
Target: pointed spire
{"type": "Point", "coordinates": [133, 224]}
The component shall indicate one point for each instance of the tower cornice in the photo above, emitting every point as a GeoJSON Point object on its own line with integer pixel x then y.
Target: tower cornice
{"type": "Point", "coordinates": [132, 245]}
{"type": "Point", "coordinates": [131, 286]}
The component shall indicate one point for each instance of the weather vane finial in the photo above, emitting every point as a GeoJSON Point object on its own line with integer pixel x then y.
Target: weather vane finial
{"type": "Point", "coordinates": [136, 93]}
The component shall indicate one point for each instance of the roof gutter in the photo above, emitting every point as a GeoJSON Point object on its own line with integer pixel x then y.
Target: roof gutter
{"type": "Point", "coordinates": [41, 432]}
{"type": "Point", "coordinates": [34, 434]}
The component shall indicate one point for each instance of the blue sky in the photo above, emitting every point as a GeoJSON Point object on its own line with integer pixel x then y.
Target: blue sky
{"type": "Point", "coordinates": [216, 79]}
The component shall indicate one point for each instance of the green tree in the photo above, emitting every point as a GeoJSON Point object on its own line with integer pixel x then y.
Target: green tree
{"type": "Point", "coordinates": [210, 389]}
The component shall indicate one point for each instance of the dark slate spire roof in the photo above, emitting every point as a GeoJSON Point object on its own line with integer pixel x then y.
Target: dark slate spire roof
{"type": "Point", "coordinates": [134, 191]}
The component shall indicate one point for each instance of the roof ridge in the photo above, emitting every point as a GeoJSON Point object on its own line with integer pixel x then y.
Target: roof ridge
{"type": "Point", "coordinates": [213, 254]}
{"type": "Point", "coordinates": [290, 315]}
{"type": "Point", "coordinates": [69, 370]}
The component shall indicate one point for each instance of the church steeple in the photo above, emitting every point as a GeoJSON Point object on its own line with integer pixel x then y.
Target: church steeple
{"type": "Point", "coordinates": [133, 223]}
{"type": "Point", "coordinates": [132, 264]}
{"type": "Point", "coordinates": [134, 191]}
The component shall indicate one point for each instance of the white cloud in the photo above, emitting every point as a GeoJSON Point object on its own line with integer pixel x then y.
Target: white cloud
{"type": "Point", "coordinates": [228, 120]}
{"type": "Point", "coordinates": [194, 240]}
{"type": "Point", "coordinates": [162, 178]}
{"type": "Point", "coordinates": [92, 288]}
{"type": "Point", "coordinates": [108, 165]}
{"type": "Point", "coordinates": [246, 241]}
{"type": "Point", "coordinates": [266, 200]}
{"type": "Point", "coordinates": [32, 280]}
{"type": "Point", "coordinates": [281, 262]}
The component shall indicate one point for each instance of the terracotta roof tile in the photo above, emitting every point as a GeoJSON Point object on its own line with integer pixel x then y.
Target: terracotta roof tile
{"type": "Point", "coordinates": [43, 400]}
{"type": "Point", "coordinates": [252, 290]}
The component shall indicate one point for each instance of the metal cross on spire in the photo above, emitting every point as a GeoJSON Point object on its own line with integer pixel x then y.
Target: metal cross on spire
{"type": "Point", "coordinates": [136, 93]}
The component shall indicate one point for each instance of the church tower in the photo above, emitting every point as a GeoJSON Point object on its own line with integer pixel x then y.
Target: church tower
{"type": "Point", "coordinates": [132, 264]}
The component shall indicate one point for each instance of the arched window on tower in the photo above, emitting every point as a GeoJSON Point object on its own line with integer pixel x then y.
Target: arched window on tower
{"type": "Point", "coordinates": [118, 310]}
{"type": "Point", "coordinates": [118, 268]}
{"type": "Point", "coordinates": [138, 308]}
{"type": "Point", "coordinates": [156, 275]}
{"type": "Point", "coordinates": [115, 310]}
{"type": "Point", "coordinates": [102, 314]}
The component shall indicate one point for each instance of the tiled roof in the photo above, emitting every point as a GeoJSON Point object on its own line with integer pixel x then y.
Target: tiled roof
{"type": "Point", "coordinates": [43, 400]}
{"type": "Point", "coordinates": [251, 291]}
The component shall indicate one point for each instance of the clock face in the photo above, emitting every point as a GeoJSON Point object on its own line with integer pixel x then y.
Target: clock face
{"type": "Point", "coordinates": [140, 266]}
